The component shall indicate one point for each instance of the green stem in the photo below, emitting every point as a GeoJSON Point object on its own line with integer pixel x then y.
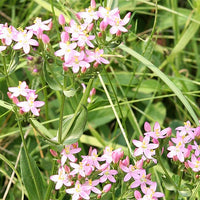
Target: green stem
{"type": "Point", "coordinates": [50, 186]}
{"type": "Point", "coordinates": [61, 111]}
{"type": "Point", "coordinates": [115, 113]}
{"type": "Point", "coordinates": [45, 96]}
{"type": "Point", "coordinates": [27, 155]}
{"type": "Point", "coordinates": [5, 71]}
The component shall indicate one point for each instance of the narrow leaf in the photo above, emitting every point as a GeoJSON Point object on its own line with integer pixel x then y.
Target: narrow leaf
{"type": "Point", "coordinates": [164, 78]}
{"type": "Point", "coordinates": [32, 178]}
{"type": "Point", "coordinates": [5, 105]}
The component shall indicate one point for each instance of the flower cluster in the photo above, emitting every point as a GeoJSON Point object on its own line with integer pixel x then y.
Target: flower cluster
{"type": "Point", "coordinates": [184, 146]}
{"type": "Point", "coordinates": [96, 174]}
{"type": "Point", "coordinates": [23, 38]}
{"type": "Point", "coordinates": [79, 48]}
{"type": "Point", "coordinates": [30, 104]}
{"type": "Point", "coordinates": [145, 147]}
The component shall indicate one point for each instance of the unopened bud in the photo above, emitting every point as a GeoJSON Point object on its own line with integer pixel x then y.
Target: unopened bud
{"type": "Point", "coordinates": [119, 33]}
{"type": "Point", "coordinates": [137, 194]}
{"type": "Point", "coordinates": [147, 127]}
{"type": "Point", "coordinates": [96, 64]}
{"type": "Point", "coordinates": [53, 153]}
{"type": "Point", "coordinates": [90, 27]}
{"type": "Point", "coordinates": [45, 38]}
{"type": "Point", "coordinates": [107, 188]}
{"type": "Point", "coordinates": [61, 19]}
{"type": "Point", "coordinates": [50, 25]}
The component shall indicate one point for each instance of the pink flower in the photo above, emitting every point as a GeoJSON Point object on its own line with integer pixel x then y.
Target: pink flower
{"type": "Point", "coordinates": [131, 172]}
{"type": "Point", "coordinates": [108, 15]}
{"type": "Point", "coordinates": [39, 26]}
{"type": "Point", "coordinates": [196, 147]}
{"type": "Point", "coordinates": [24, 41]}
{"type": "Point", "coordinates": [31, 104]}
{"type": "Point", "coordinates": [97, 56]}
{"type": "Point", "coordinates": [150, 193]}
{"type": "Point", "coordinates": [78, 169]}
{"type": "Point", "coordinates": [186, 129]}
{"type": "Point", "coordinates": [157, 131]}
{"type": "Point", "coordinates": [75, 29]}
{"type": "Point", "coordinates": [79, 191]}
{"type": "Point", "coordinates": [90, 14]}
{"type": "Point", "coordinates": [194, 164]}
{"type": "Point", "coordinates": [21, 89]}
{"type": "Point", "coordinates": [141, 179]}
{"type": "Point", "coordinates": [108, 174]}
{"type": "Point", "coordinates": [68, 152]}
{"type": "Point", "coordinates": [145, 148]}
{"type": "Point", "coordinates": [84, 39]}
{"type": "Point", "coordinates": [7, 34]}
{"type": "Point", "coordinates": [117, 155]}
{"type": "Point", "coordinates": [107, 155]}
{"type": "Point", "coordinates": [92, 159]}
{"type": "Point", "coordinates": [77, 61]}
{"type": "Point", "coordinates": [91, 186]}
{"type": "Point", "coordinates": [61, 179]}
{"type": "Point", "coordinates": [67, 50]}
{"type": "Point", "coordinates": [177, 150]}
{"type": "Point", "coordinates": [118, 24]}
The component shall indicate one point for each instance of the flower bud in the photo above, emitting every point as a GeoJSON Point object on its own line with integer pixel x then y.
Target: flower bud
{"type": "Point", "coordinates": [139, 164]}
{"type": "Point", "coordinates": [137, 194]}
{"type": "Point", "coordinates": [64, 36]}
{"type": "Point", "coordinates": [83, 70]}
{"type": "Point", "coordinates": [96, 64]}
{"type": "Point", "coordinates": [186, 165]}
{"type": "Point", "coordinates": [147, 127]}
{"type": "Point", "coordinates": [197, 131]}
{"type": "Point", "coordinates": [169, 132]}
{"type": "Point", "coordinates": [67, 169]}
{"type": "Point", "coordinates": [90, 27]}
{"type": "Point", "coordinates": [103, 26]}
{"type": "Point", "coordinates": [61, 19]}
{"type": "Point", "coordinates": [107, 188]}
{"type": "Point", "coordinates": [119, 33]}
{"type": "Point", "coordinates": [53, 153]}
{"type": "Point", "coordinates": [93, 4]}
{"type": "Point", "coordinates": [93, 92]}
{"type": "Point", "coordinates": [99, 34]}
{"type": "Point", "coordinates": [45, 38]}
{"type": "Point", "coordinates": [50, 25]}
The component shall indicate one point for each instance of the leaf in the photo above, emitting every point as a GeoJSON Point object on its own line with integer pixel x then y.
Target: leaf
{"type": "Point", "coordinates": [40, 128]}
{"type": "Point", "coordinates": [77, 128]}
{"type": "Point", "coordinates": [5, 105]}
{"type": "Point", "coordinates": [69, 93]}
{"type": "Point", "coordinates": [32, 178]}
{"type": "Point", "coordinates": [47, 6]}
{"type": "Point", "coordinates": [53, 84]}
{"type": "Point", "coordinates": [164, 78]}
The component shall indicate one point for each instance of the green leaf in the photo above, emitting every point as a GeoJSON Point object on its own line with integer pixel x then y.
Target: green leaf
{"type": "Point", "coordinates": [32, 178]}
{"type": "Point", "coordinates": [77, 128]}
{"type": "Point", "coordinates": [164, 78]}
{"type": "Point", "coordinates": [5, 105]}
{"type": "Point", "coordinates": [53, 84]}
{"type": "Point", "coordinates": [69, 93]}
{"type": "Point", "coordinates": [40, 128]}
{"type": "Point", "coordinates": [47, 6]}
